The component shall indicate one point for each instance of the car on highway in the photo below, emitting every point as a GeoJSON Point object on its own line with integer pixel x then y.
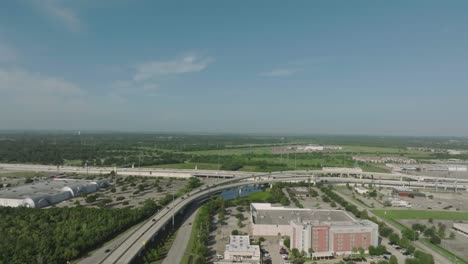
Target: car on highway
{"type": "Point", "coordinates": [107, 250]}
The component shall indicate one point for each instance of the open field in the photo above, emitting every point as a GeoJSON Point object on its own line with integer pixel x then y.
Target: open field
{"type": "Point", "coordinates": [25, 174]}
{"type": "Point", "coordinates": [421, 214]}
{"type": "Point", "coordinates": [444, 252]}
{"type": "Point", "coordinates": [188, 165]}
{"type": "Point", "coordinates": [233, 151]}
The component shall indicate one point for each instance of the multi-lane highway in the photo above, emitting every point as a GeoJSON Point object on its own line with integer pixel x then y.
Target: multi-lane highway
{"type": "Point", "coordinates": [186, 173]}
{"type": "Point", "coordinates": [135, 243]}
{"type": "Point", "coordinates": [125, 248]}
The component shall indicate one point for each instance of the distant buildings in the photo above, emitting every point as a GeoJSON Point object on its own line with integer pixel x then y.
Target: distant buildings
{"type": "Point", "coordinates": [323, 232]}
{"type": "Point", "coordinates": [398, 160]}
{"type": "Point", "coordinates": [46, 193]}
{"type": "Point", "coordinates": [429, 167]}
{"type": "Point", "coordinates": [314, 148]}
{"type": "Point", "coordinates": [437, 150]}
{"type": "Point", "coordinates": [342, 170]}
{"type": "Point", "coordinates": [239, 249]}
{"type": "Point", "coordinates": [406, 192]}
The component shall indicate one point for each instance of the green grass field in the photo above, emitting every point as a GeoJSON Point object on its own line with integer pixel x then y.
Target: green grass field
{"type": "Point", "coordinates": [421, 214]}
{"type": "Point", "coordinates": [23, 174]}
{"type": "Point", "coordinates": [454, 258]}
{"type": "Point", "coordinates": [233, 151]}
{"type": "Point", "coordinates": [190, 166]}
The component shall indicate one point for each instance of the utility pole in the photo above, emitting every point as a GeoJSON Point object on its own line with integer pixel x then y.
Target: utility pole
{"type": "Point", "coordinates": [173, 199]}
{"type": "Point", "coordinates": [295, 160]}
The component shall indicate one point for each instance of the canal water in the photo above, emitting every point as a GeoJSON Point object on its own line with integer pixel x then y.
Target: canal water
{"type": "Point", "coordinates": [242, 191]}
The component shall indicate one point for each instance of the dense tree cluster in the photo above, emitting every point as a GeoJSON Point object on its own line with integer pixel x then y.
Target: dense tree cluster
{"type": "Point", "coordinates": [277, 194]}
{"type": "Point", "coordinates": [202, 226]}
{"type": "Point", "coordinates": [56, 235]}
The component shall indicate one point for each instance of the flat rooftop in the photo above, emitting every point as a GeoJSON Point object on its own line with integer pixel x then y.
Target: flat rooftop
{"type": "Point", "coordinates": [270, 215]}
{"type": "Point", "coordinates": [241, 243]}
{"type": "Point", "coordinates": [47, 187]}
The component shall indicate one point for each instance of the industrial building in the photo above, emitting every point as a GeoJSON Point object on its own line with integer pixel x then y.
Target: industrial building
{"type": "Point", "coordinates": [330, 238]}
{"type": "Point", "coordinates": [239, 249]}
{"type": "Point", "coordinates": [406, 192]}
{"type": "Point", "coordinates": [323, 232]}
{"type": "Point", "coordinates": [300, 191]}
{"type": "Point", "coordinates": [399, 160]}
{"type": "Point", "coordinates": [361, 190]}
{"type": "Point", "coordinates": [399, 203]}
{"type": "Point", "coordinates": [46, 193]}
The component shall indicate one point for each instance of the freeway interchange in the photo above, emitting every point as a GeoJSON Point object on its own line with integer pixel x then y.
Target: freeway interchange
{"type": "Point", "coordinates": [126, 247]}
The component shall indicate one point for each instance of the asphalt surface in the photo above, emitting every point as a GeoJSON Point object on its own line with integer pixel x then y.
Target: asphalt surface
{"type": "Point", "coordinates": [124, 248]}
{"type": "Point", "coordinates": [175, 254]}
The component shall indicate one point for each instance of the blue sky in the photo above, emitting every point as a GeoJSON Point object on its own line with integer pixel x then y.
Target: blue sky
{"type": "Point", "coordinates": [338, 67]}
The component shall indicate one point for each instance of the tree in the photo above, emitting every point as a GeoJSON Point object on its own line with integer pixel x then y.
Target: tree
{"type": "Point", "coordinates": [90, 199]}
{"type": "Point", "coordinates": [295, 253]}
{"type": "Point", "coordinates": [418, 227]}
{"type": "Point", "coordinates": [410, 234]}
{"type": "Point", "coordinates": [113, 190]}
{"type": "Point", "coordinates": [333, 204]}
{"type": "Point", "coordinates": [28, 180]}
{"type": "Point", "coordinates": [393, 260]}
{"type": "Point", "coordinates": [385, 231]}
{"type": "Point", "coordinates": [452, 235]}
{"type": "Point", "coordinates": [410, 249]}
{"type": "Point", "coordinates": [441, 231]}
{"type": "Point", "coordinates": [284, 201]}
{"type": "Point", "coordinates": [429, 232]}
{"type": "Point", "coordinates": [404, 242]}
{"type": "Point", "coordinates": [361, 251]}
{"type": "Point", "coordinates": [435, 240]}
{"type": "Point", "coordinates": [287, 242]}
{"type": "Point", "coordinates": [394, 238]}
{"type": "Point", "coordinates": [377, 251]}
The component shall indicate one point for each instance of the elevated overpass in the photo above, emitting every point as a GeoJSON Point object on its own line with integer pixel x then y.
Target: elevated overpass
{"type": "Point", "coordinates": [135, 243]}
{"type": "Point", "coordinates": [186, 173]}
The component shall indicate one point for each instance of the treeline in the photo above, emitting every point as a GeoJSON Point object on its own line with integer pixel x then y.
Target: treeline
{"type": "Point", "coordinates": [56, 235]}
{"type": "Point", "coordinates": [201, 229]}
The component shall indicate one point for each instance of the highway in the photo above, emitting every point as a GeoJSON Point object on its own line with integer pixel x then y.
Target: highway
{"type": "Point", "coordinates": [125, 248]}
{"type": "Point", "coordinates": [186, 173]}
{"type": "Point", "coordinates": [135, 243]}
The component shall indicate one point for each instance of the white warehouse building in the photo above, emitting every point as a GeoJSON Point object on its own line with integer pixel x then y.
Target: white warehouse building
{"type": "Point", "coordinates": [46, 193]}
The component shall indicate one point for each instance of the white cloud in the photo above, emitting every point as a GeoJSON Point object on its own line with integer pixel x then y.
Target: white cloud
{"type": "Point", "coordinates": [31, 100]}
{"type": "Point", "coordinates": [186, 64]}
{"type": "Point", "coordinates": [21, 82]}
{"type": "Point", "coordinates": [279, 72]}
{"type": "Point", "coordinates": [7, 53]}
{"type": "Point", "coordinates": [55, 9]}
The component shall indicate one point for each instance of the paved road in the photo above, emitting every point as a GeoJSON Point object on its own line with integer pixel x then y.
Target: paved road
{"type": "Point", "coordinates": [125, 248]}
{"type": "Point", "coordinates": [125, 252]}
{"type": "Point", "coordinates": [175, 254]}
{"type": "Point", "coordinates": [184, 173]}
